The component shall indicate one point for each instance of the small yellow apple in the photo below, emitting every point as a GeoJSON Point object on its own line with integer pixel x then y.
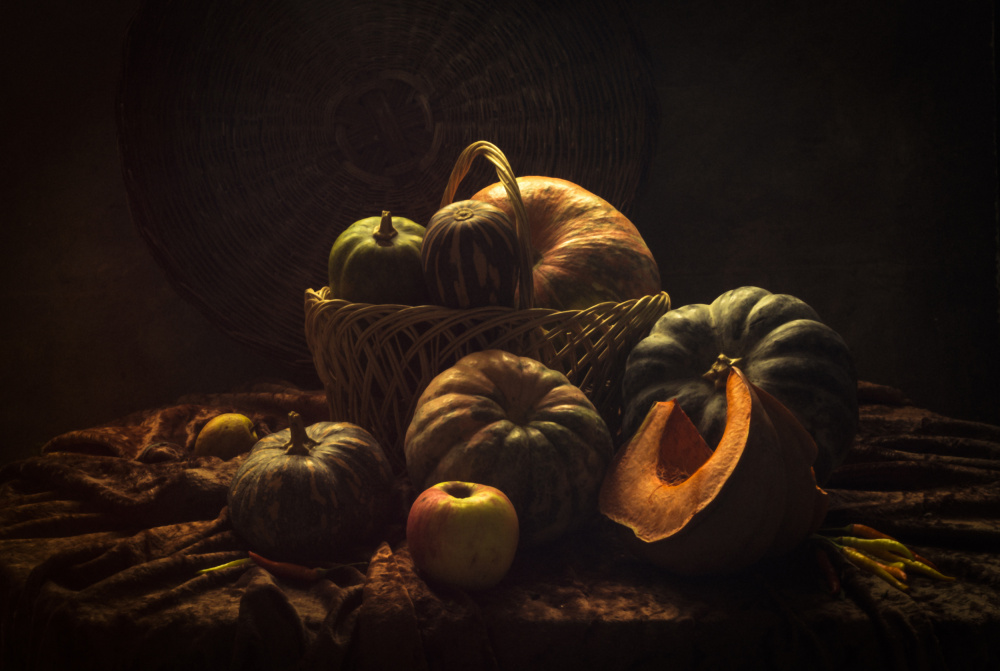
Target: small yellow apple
{"type": "Point", "coordinates": [225, 436]}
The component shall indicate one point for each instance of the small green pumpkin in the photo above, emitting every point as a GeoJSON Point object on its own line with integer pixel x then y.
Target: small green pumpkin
{"type": "Point", "coordinates": [311, 493]}
{"type": "Point", "coordinates": [377, 260]}
{"type": "Point", "coordinates": [470, 256]}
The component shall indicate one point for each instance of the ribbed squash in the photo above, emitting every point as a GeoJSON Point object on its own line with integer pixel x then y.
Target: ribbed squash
{"type": "Point", "coordinates": [586, 251]}
{"type": "Point", "coordinates": [695, 511]}
{"type": "Point", "coordinates": [311, 493]}
{"type": "Point", "coordinates": [777, 340]}
{"type": "Point", "coordinates": [377, 260]}
{"type": "Point", "coordinates": [469, 256]}
{"type": "Point", "coordinates": [514, 424]}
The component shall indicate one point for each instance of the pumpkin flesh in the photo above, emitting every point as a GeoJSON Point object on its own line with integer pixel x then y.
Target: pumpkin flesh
{"type": "Point", "coordinates": [696, 511]}
{"type": "Point", "coordinates": [799, 453]}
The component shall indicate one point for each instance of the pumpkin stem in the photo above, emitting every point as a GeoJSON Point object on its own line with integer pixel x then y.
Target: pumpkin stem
{"type": "Point", "coordinates": [385, 232]}
{"type": "Point", "coordinates": [300, 442]}
{"type": "Point", "coordinates": [719, 372]}
{"type": "Point", "coordinates": [463, 213]}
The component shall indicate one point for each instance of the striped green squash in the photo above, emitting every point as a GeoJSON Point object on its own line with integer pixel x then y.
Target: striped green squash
{"type": "Point", "coordinates": [311, 493]}
{"type": "Point", "coordinates": [469, 256]}
{"type": "Point", "coordinates": [510, 422]}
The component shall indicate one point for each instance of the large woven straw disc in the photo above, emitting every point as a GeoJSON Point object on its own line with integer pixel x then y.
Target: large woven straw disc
{"type": "Point", "coordinates": [252, 133]}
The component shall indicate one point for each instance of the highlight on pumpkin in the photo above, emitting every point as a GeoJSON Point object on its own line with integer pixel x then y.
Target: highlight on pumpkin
{"type": "Point", "coordinates": [584, 252]}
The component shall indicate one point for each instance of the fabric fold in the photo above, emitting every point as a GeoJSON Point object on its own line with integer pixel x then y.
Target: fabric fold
{"type": "Point", "coordinates": [100, 555]}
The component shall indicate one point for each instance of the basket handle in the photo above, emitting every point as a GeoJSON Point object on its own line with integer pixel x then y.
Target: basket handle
{"type": "Point", "coordinates": [526, 289]}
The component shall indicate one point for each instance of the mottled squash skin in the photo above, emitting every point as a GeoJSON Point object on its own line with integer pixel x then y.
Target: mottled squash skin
{"type": "Point", "coordinates": [586, 251]}
{"type": "Point", "coordinates": [511, 423]}
{"type": "Point", "coordinates": [378, 262]}
{"type": "Point", "coordinates": [778, 342]}
{"type": "Point", "coordinates": [470, 256]}
{"type": "Point", "coordinates": [314, 504]}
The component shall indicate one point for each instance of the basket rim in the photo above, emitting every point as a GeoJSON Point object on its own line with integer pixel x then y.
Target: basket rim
{"type": "Point", "coordinates": [313, 296]}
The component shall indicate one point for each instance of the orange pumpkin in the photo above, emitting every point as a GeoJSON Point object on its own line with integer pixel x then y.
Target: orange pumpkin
{"type": "Point", "coordinates": [585, 251]}
{"type": "Point", "coordinates": [694, 511]}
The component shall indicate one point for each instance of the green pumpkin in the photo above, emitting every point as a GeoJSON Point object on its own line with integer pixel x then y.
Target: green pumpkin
{"type": "Point", "coordinates": [512, 423]}
{"type": "Point", "coordinates": [312, 493]}
{"type": "Point", "coordinates": [777, 340]}
{"type": "Point", "coordinates": [377, 260]}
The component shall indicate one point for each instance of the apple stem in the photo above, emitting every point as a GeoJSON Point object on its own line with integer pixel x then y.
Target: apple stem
{"type": "Point", "coordinates": [460, 490]}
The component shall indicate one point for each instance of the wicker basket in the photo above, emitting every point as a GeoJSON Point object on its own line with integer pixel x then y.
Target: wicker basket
{"type": "Point", "coordinates": [252, 133]}
{"type": "Point", "coordinates": [375, 360]}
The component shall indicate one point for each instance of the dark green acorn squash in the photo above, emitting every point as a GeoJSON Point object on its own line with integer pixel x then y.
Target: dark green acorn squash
{"type": "Point", "coordinates": [470, 256]}
{"type": "Point", "coordinates": [311, 493]}
{"type": "Point", "coordinates": [777, 340]}
{"type": "Point", "coordinates": [377, 260]}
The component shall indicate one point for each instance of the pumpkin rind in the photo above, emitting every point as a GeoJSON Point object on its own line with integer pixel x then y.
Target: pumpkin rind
{"type": "Point", "coordinates": [695, 511]}
{"type": "Point", "coordinates": [377, 261]}
{"type": "Point", "coordinates": [317, 505]}
{"type": "Point", "coordinates": [511, 423]}
{"type": "Point", "coordinates": [779, 343]}
{"type": "Point", "coordinates": [469, 256]}
{"type": "Point", "coordinates": [587, 252]}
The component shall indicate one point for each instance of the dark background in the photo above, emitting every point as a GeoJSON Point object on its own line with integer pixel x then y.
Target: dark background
{"type": "Point", "coordinates": [841, 152]}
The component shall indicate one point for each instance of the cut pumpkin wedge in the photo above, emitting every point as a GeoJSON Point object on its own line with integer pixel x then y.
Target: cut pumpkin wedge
{"type": "Point", "coordinates": [693, 511]}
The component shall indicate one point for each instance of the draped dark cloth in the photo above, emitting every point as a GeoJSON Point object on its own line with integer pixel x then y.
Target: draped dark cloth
{"type": "Point", "coordinates": [102, 536]}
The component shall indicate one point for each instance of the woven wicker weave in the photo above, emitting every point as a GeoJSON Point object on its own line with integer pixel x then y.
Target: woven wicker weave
{"type": "Point", "coordinates": [376, 360]}
{"type": "Point", "coordinates": [252, 133]}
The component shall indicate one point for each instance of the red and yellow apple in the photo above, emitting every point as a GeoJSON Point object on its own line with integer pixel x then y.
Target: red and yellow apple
{"type": "Point", "coordinates": [463, 534]}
